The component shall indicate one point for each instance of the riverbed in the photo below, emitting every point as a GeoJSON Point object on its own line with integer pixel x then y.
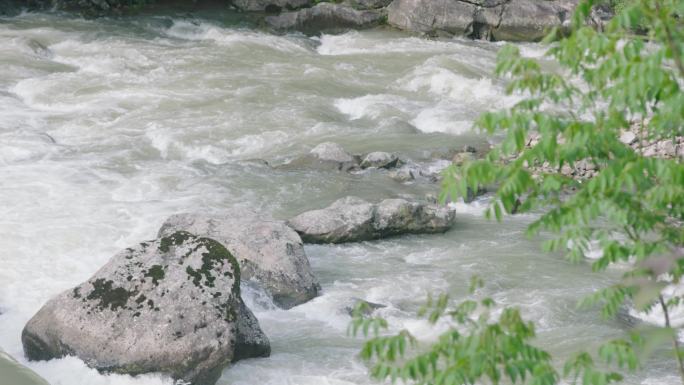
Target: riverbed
{"type": "Point", "coordinates": [109, 126]}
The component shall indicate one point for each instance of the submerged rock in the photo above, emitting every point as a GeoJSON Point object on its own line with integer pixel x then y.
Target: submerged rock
{"type": "Point", "coordinates": [352, 219]}
{"type": "Point", "coordinates": [326, 17]}
{"type": "Point", "coordinates": [366, 307]}
{"type": "Point", "coordinates": [269, 252]}
{"type": "Point", "coordinates": [171, 305]}
{"type": "Point", "coordinates": [402, 175]}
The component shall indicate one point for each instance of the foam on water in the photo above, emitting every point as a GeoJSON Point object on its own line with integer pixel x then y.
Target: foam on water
{"type": "Point", "coordinates": [375, 106]}
{"type": "Point", "coordinates": [656, 316]}
{"type": "Point", "coordinates": [204, 31]}
{"type": "Point", "coordinates": [357, 43]}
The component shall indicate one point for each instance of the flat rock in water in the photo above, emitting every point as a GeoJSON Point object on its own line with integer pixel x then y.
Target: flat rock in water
{"type": "Point", "coordinates": [171, 305]}
{"type": "Point", "coordinates": [352, 219]}
{"type": "Point", "coordinates": [269, 252]}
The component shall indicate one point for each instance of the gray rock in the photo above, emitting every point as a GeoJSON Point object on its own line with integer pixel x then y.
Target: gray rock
{"type": "Point", "coordinates": [429, 16]}
{"type": "Point", "coordinates": [367, 308]}
{"type": "Point", "coordinates": [271, 5]}
{"type": "Point", "coordinates": [399, 216]}
{"type": "Point", "coordinates": [250, 340]}
{"type": "Point", "coordinates": [326, 17]}
{"type": "Point", "coordinates": [352, 219]}
{"type": "Point", "coordinates": [14, 373]}
{"type": "Point", "coordinates": [516, 20]}
{"type": "Point", "coordinates": [379, 159]}
{"type": "Point", "coordinates": [326, 156]}
{"type": "Point", "coordinates": [402, 175]}
{"type": "Point", "coordinates": [529, 20]}
{"type": "Point", "coordinates": [171, 305]}
{"type": "Point", "coordinates": [269, 252]}
{"type": "Point", "coordinates": [346, 220]}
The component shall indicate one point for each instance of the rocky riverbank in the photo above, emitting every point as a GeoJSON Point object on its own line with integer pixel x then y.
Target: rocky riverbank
{"type": "Point", "coordinates": [495, 20]}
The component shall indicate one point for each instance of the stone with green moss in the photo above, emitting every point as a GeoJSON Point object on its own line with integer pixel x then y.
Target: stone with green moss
{"type": "Point", "coordinates": [171, 305]}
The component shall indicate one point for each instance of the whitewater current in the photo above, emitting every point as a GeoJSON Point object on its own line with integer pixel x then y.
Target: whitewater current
{"type": "Point", "coordinates": [109, 126]}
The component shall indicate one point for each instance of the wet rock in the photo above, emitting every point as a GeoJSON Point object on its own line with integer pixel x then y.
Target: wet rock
{"type": "Point", "coordinates": [402, 175]}
{"type": "Point", "coordinates": [346, 220]}
{"type": "Point", "coordinates": [600, 15]}
{"type": "Point", "coordinates": [271, 5]}
{"type": "Point", "coordinates": [431, 16]}
{"type": "Point", "coordinates": [529, 20]}
{"type": "Point", "coordinates": [171, 305]}
{"type": "Point", "coordinates": [269, 252]}
{"type": "Point", "coordinates": [367, 308]}
{"type": "Point", "coordinates": [250, 340]}
{"type": "Point", "coordinates": [352, 219]}
{"type": "Point", "coordinates": [326, 156]}
{"type": "Point", "coordinates": [326, 17]}
{"type": "Point", "coordinates": [14, 373]}
{"type": "Point", "coordinates": [516, 20]}
{"type": "Point", "coordinates": [379, 159]}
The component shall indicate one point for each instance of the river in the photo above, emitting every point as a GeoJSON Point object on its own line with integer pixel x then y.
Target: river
{"type": "Point", "coordinates": [109, 126]}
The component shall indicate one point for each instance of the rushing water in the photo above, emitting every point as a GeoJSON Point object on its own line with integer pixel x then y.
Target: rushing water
{"type": "Point", "coordinates": [109, 126]}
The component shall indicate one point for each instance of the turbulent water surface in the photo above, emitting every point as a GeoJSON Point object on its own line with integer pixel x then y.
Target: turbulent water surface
{"type": "Point", "coordinates": [109, 126]}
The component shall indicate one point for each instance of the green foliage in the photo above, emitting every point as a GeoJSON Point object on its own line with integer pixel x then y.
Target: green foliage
{"type": "Point", "coordinates": [627, 76]}
{"type": "Point", "coordinates": [479, 346]}
{"type": "Point", "coordinates": [609, 81]}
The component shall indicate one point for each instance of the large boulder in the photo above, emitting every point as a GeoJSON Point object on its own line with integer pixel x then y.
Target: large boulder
{"type": "Point", "coordinates": [269, 252]}
{"type": "Point", "coordinates": [529, 20]}
{"type": "Point", "coordinates": [326, 17]}
{"type": "Point", "coordinates": [171, 305]}
{"type": "Point", "coordinates": [271, 5]}
{"type": "Point", "coordinates": [515, 20]}
{"type": "Point", "coordinates": [431, 16]}
{"type": "Point", "coordinates": [352, 219]}
{"type": "Point", "coordinates": [327, 156]}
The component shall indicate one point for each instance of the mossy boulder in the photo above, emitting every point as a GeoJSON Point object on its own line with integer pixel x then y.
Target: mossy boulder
{"type": "Point", "coordinates": [171, 305]}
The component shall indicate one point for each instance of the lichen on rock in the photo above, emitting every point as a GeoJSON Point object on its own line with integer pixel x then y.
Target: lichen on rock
{"type": "Point", "coordinates": [144, 312]}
